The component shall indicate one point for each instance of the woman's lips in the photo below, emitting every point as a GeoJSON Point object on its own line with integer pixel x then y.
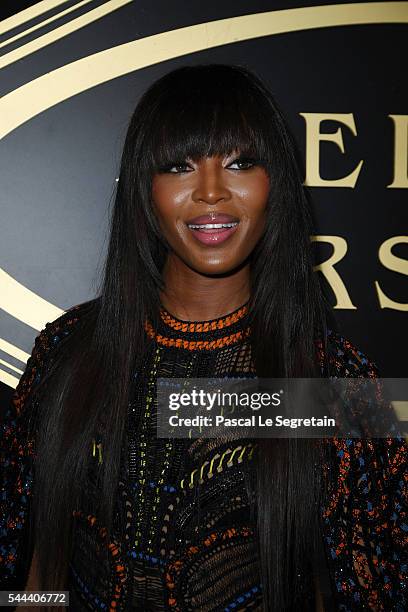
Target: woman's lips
{"type": "Point", "coordinates": [213, 236]}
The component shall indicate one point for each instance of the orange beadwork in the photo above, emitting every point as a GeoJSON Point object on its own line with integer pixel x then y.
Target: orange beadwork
{"type": "Point", "coordinates": [176, 566]}
{"type": "Point", "coordinates": [363, 522]}
{"type": "Point", "coordinates": [187, 326]}
{"type": "Point", "coordinates": [193, 345]}
{"type": "Point", "coordinates": [118, 566]}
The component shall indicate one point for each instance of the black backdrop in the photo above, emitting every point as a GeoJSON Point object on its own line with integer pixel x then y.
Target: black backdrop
{"type": "Point", "coordinates": [58, 169]}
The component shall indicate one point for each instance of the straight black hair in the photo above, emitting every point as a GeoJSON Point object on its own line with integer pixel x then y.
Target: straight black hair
{"type": "Point", "coordinates": [191, 112]}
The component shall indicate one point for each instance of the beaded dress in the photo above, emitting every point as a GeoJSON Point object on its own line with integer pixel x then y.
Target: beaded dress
{"type": "Point", "coordinates": [185, 535]}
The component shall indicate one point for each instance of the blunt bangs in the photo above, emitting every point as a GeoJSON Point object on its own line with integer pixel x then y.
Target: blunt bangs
{"type": "Point", "coordinates": [209, 112]}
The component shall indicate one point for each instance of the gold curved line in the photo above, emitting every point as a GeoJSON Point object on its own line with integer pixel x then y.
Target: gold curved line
{"type": "Point", "coordinates": [14, 351]}
{"type": "Point", "coordinates": [8, 379]}
{"type": "Point", "coordinates": [37, 26]}
{"type": "Point", "coordinates": [79, 76]}
{"type": "Point", "coordinates": [72, 26]}
{"type": "Point", "coordinates": [25, 305]}
{"type": "Point", "coordinates": [30, 13]}
{"type": "Point", "coordinates": [9, 365]}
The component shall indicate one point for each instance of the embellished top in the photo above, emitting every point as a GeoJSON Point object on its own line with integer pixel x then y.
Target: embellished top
{"type": "Point", "coordinates": [184, 536]}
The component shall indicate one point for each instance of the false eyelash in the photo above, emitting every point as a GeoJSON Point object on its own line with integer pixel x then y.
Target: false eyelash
{"type": "Point", "coordinates": [167, 167]}
{"type": "Point", "coordinates": [242, 158]}
{"type": "Point", "coordinates": [245, 158]}
{"type": "Point", "coordinates": [256, 161]}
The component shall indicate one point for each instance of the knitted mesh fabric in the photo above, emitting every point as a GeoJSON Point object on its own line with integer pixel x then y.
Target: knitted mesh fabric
{"type": "Point", "coordinates": [184, 530]}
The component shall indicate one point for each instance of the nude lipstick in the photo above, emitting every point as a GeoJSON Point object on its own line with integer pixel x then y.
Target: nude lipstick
{"type": "Point", "coordinates": [214, 228]}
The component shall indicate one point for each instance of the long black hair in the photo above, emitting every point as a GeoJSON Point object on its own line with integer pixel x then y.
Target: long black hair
{"type": "Point", "coordinates": [193, 111]}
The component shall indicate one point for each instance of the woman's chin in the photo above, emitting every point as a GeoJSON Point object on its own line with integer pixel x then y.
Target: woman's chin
{"type": "Point", "coordinates": [214, 266]}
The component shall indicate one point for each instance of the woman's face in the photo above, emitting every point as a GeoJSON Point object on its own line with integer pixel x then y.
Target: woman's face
{"type": "Point", "coordinates": [227, 190]}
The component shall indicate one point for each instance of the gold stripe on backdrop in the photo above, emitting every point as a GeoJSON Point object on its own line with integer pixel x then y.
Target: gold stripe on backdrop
{"type": "Point", "coordinates": [13, 351]}
{"type": "Point", "coordinates": [8, 379]}
{"type": "Point", "coordinates": [25, 305]}
{"type": "Point", "coordinates": [61, 31]}
{"type": "Point", "coordinates": [44, 23]}
{"type": "Point", "coordinates": [10, 366]}
{"type": "Point", "coordinates": [28, 14]}
{"type": "Point", "coordinates": [81, 75]}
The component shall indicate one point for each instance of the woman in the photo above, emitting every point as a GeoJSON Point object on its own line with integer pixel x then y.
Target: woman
{"type": "Point", "coordinates": [126, 520]}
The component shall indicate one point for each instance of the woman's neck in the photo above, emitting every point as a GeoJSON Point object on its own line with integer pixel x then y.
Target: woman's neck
{"type": "Point", "coordinates": [191, 296]}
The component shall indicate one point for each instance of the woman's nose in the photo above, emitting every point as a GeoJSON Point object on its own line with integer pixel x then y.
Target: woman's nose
{"type": "Point", "coordinates": [210, 185]}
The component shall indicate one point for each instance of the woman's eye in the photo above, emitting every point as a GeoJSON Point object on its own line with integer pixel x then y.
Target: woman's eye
{"type": "Point", "coordinates": [243, 164]}
{"type": "Point", "coordinates": [177, 168]}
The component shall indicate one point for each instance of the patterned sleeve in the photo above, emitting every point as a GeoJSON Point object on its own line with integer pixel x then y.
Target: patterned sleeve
{"type": "Point", "coordinates": [17, 456]}
{"type": "Point", "coordinates": [366, 519]}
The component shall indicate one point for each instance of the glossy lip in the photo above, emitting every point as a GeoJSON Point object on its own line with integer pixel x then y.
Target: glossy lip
{"type": "Point", "coordinates": [214, 217]}
{"type": "Point", "coordinates": [214, 237]}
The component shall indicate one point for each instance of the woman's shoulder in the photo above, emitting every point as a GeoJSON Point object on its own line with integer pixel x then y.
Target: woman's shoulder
{"type": "Point", "coordinates": [389, 454]}
{"type": "Point", "coordinates": [61, 327]}
{"type": "Point", "coordinates": [67, 321]}
{"type": "Point", "coordinates": [344, 357]}
{"type": "Point", "coordinates": [45, 345]}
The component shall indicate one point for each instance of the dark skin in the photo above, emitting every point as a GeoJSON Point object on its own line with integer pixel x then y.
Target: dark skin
{"type": "Point", "coordinates": [205, 282]}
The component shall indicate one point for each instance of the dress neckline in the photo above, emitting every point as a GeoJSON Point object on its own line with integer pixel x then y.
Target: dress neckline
{"type": "Point", "coordinates": [201, 335]}
{"type": "Point", "coordinates": [206, 325]}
